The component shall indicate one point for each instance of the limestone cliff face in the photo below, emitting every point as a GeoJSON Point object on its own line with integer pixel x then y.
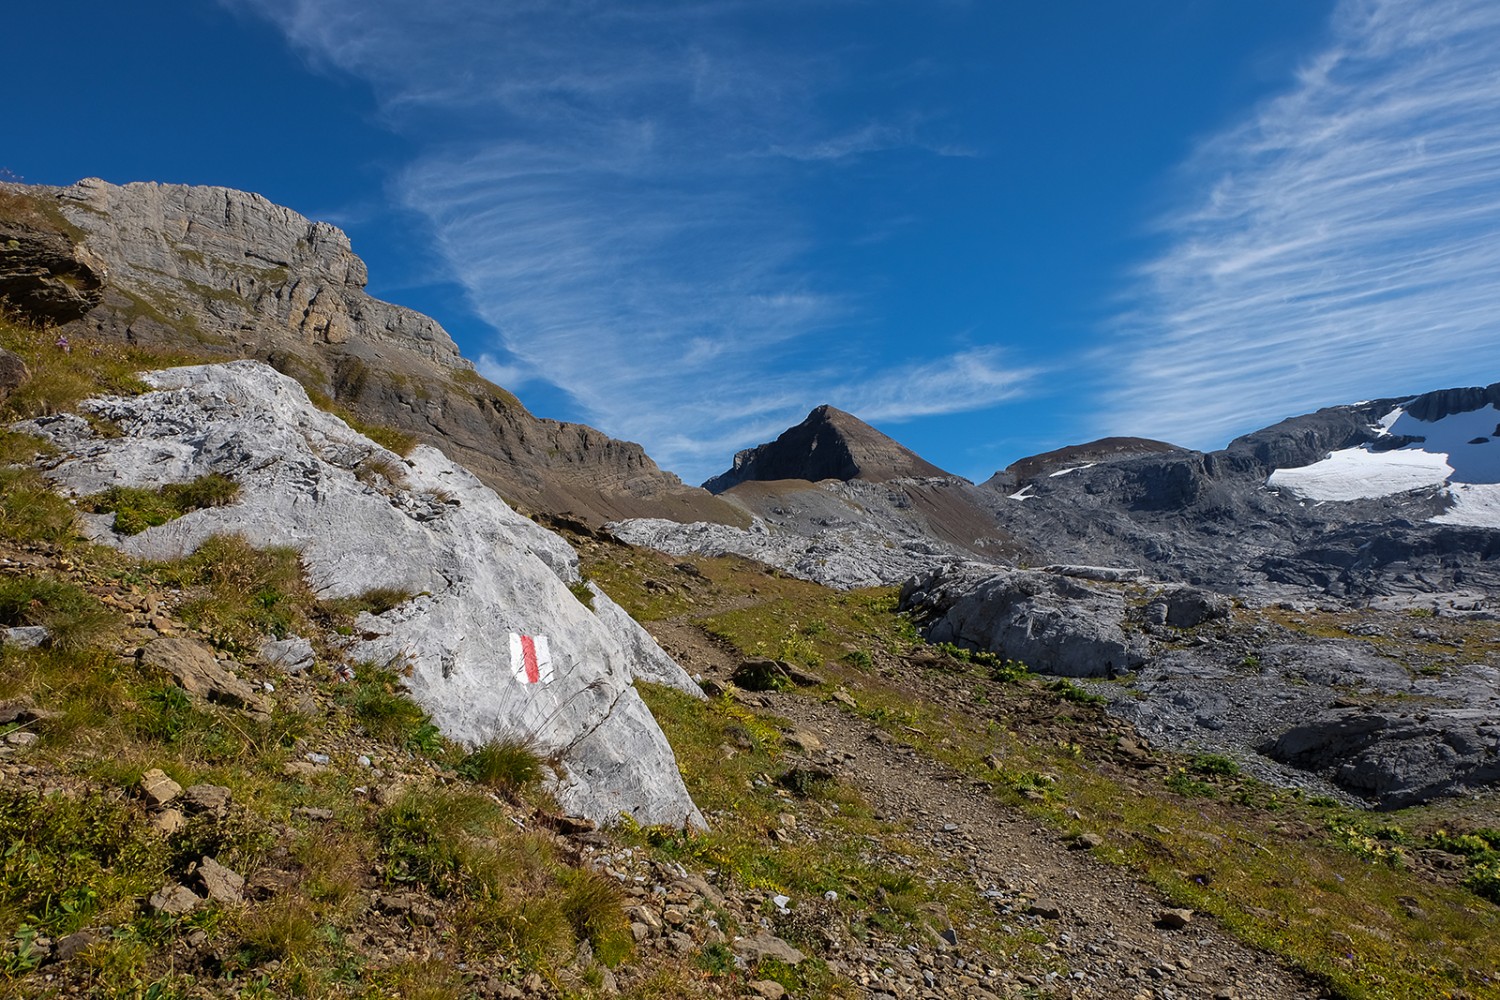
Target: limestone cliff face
{"type": "Point", "coordinates": [227, 273]}
{"type": "Point", "coordinates": [231, 263]}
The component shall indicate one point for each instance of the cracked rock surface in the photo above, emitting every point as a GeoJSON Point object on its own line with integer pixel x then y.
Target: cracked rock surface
{"type": "Point", "coordinates": [365, 518]}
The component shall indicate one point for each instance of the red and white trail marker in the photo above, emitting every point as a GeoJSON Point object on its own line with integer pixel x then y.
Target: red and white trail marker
{"type": "Point", "coordinates": [530, 659]}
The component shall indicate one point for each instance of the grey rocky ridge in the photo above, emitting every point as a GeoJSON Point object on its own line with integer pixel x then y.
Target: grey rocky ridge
{"type": "Point", "coordinates": [227, 273]}
{"type": "Point", "coordinates": [836, 501]}
{"type": "Point", "coordinates": [364, 517]}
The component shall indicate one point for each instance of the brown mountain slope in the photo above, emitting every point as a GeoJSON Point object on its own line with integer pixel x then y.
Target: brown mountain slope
{"type": "Point", "coordinates": [228, 273]}
{"type": "Point", "coordinates": [829, 444]}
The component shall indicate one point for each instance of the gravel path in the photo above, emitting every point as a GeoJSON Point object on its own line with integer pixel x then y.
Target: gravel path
{"type": "Point", "coordinates": [1104, 926]}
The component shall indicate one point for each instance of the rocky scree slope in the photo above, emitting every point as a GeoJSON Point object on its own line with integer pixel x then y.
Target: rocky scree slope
{"type": "Point", "coordinates": [363, 518]}
{"type": "Point", "coordinates": [228, 273]}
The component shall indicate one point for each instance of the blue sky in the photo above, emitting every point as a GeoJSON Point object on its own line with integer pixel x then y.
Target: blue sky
{"type": "Point", "coordinates": [988, 228]}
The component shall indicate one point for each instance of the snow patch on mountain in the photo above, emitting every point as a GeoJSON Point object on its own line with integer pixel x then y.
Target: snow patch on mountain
{"type": "Point", "coordinates": [1474, 504]}
{"type": "Point", "coordinates": [1459, 453]}
{"type": "Point", "coordinates": [1358, 473]}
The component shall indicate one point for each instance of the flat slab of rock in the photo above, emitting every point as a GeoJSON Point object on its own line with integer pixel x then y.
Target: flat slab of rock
{"type": "Point", "coordinates": [484, 574]}
{"type": "Point", "coordinates": [174, 900]}
{"type": "Point", "coordinates": [207, 799]}
{"type": "Point", "coordinates": [767, 945]}
{"type": "Point", "coordinates": [192, 665]}
{"type": "Point", "coordinates": [220, 884]}
{"type": "Point", "coordinates": [24, 636]}
{"type": "Point", "coordinates": [158, 789]}
{"type": "Point", "coordinates": [292, 655]}
{"type": "Point", "coordinates": [23, 709]}
{"type": "Point", "coordinates": [408, 905]}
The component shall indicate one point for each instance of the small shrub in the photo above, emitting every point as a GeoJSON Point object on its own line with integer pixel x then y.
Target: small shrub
{"type": "Point", "coordinates": [592, 904]}
{"type": "Point", "coordinates": [280, 929]}
{"type": "Point", "coordinates": [806, 782]}
{"type": "Point", "coordinates": [239, 840]}
{"type": "Point", "coordinates": [1215, 764]}
{"type": "Point", "coordinates": [1069, 691]}
{"type": "Point", "coordinates": [387, 714]}
{"type": "Point", "coordinates": [1183, 783]}
{"type": "Point", "coordinates": [716, 959]}
{"type": "Point", "coordinates": [166, 713]}
{"type": "Point", "coordinates": [239, 594]}
{"type": "Point", "coordinates": [135, 509]}
{"type": "Point", "coordinates": [1466, 844]}
{"type": "Point", "coordinates": [508, 765]}
{"type": "Point", "coordinates": [376, 601]}
{"type": "Point", "coordinates": [1362, 845]}
{"type": "Point", "coordinates": [389, 438]}
{"type": "Point", "coordinates": [67, 860]}
{"type": "Point", "coordinates": [19, 449]}
{"type": "Point", "coordinates": [430, 979]}
{"type": "Point", "coordinates": [1484, 880]}
{"type": "Point", "coordinates": [378, 470]}
{"type": "Point", "coordinates": [1009, 671]}
{"type": "Point", "coordinates": [428, 838]}
{"type": "Point", "coordinates": [859, 658]}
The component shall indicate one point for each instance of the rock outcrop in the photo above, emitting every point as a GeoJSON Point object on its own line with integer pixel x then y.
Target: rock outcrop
{"type": "Point", "coordinates": [1299, 710]}
{"type": "Point", "coordinates": [45, 278]}
{"type": "Point", "coordinates": [365, 518]}
{"type": "Point", "coordinates": [1055, 624]}
{"type": "Point", "coordinates": [224, 273]}
{"type": "Point", "coordinates": [844, 534]}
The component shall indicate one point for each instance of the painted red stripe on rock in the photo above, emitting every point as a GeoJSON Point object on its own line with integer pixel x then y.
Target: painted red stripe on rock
{"type": "Point", "coordinates": [528, 654]}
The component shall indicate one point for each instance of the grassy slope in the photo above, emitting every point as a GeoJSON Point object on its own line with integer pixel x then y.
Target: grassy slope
{"type": "Point", "coordinates": [1399, 904]}
{"type": "Point", "coordinates": [1374, 906]}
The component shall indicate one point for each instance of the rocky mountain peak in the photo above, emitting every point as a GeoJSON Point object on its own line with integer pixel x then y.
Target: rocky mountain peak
{"type": "Point", "coordinates": [829, 444]}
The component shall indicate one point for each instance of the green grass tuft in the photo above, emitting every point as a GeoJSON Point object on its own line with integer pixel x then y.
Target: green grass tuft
{"type": "Point", "coordinates": [74, 619]}
{"type": "Point", "coordinates": [506, 765]}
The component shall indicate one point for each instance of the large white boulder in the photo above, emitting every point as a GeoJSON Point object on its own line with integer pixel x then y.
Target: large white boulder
{"type": "Point", "coordinates": [363, 517]}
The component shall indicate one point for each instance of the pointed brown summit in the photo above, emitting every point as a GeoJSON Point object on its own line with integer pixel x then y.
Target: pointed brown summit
{"type": "Point", "coordinates": [829, 444]}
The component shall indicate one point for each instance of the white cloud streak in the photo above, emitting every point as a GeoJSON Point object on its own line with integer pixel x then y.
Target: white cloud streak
{"type": "Point", "coordinates": [615, 186]}
{"type": "Point", "coordinates": [1344, 243]}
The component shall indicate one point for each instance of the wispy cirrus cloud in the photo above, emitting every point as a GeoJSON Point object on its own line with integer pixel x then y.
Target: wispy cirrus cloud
{"type": "Point", "coordinates": [617, 186]}
{"type": "Point", "coordinates": [1343, 241]}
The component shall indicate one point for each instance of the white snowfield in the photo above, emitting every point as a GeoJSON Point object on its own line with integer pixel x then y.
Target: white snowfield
{"type": "Point", "coordinates": [1460, 454]}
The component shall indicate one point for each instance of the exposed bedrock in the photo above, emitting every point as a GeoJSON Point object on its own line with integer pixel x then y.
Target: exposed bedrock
{"type": "Point", "coordinates": [363, 518]}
